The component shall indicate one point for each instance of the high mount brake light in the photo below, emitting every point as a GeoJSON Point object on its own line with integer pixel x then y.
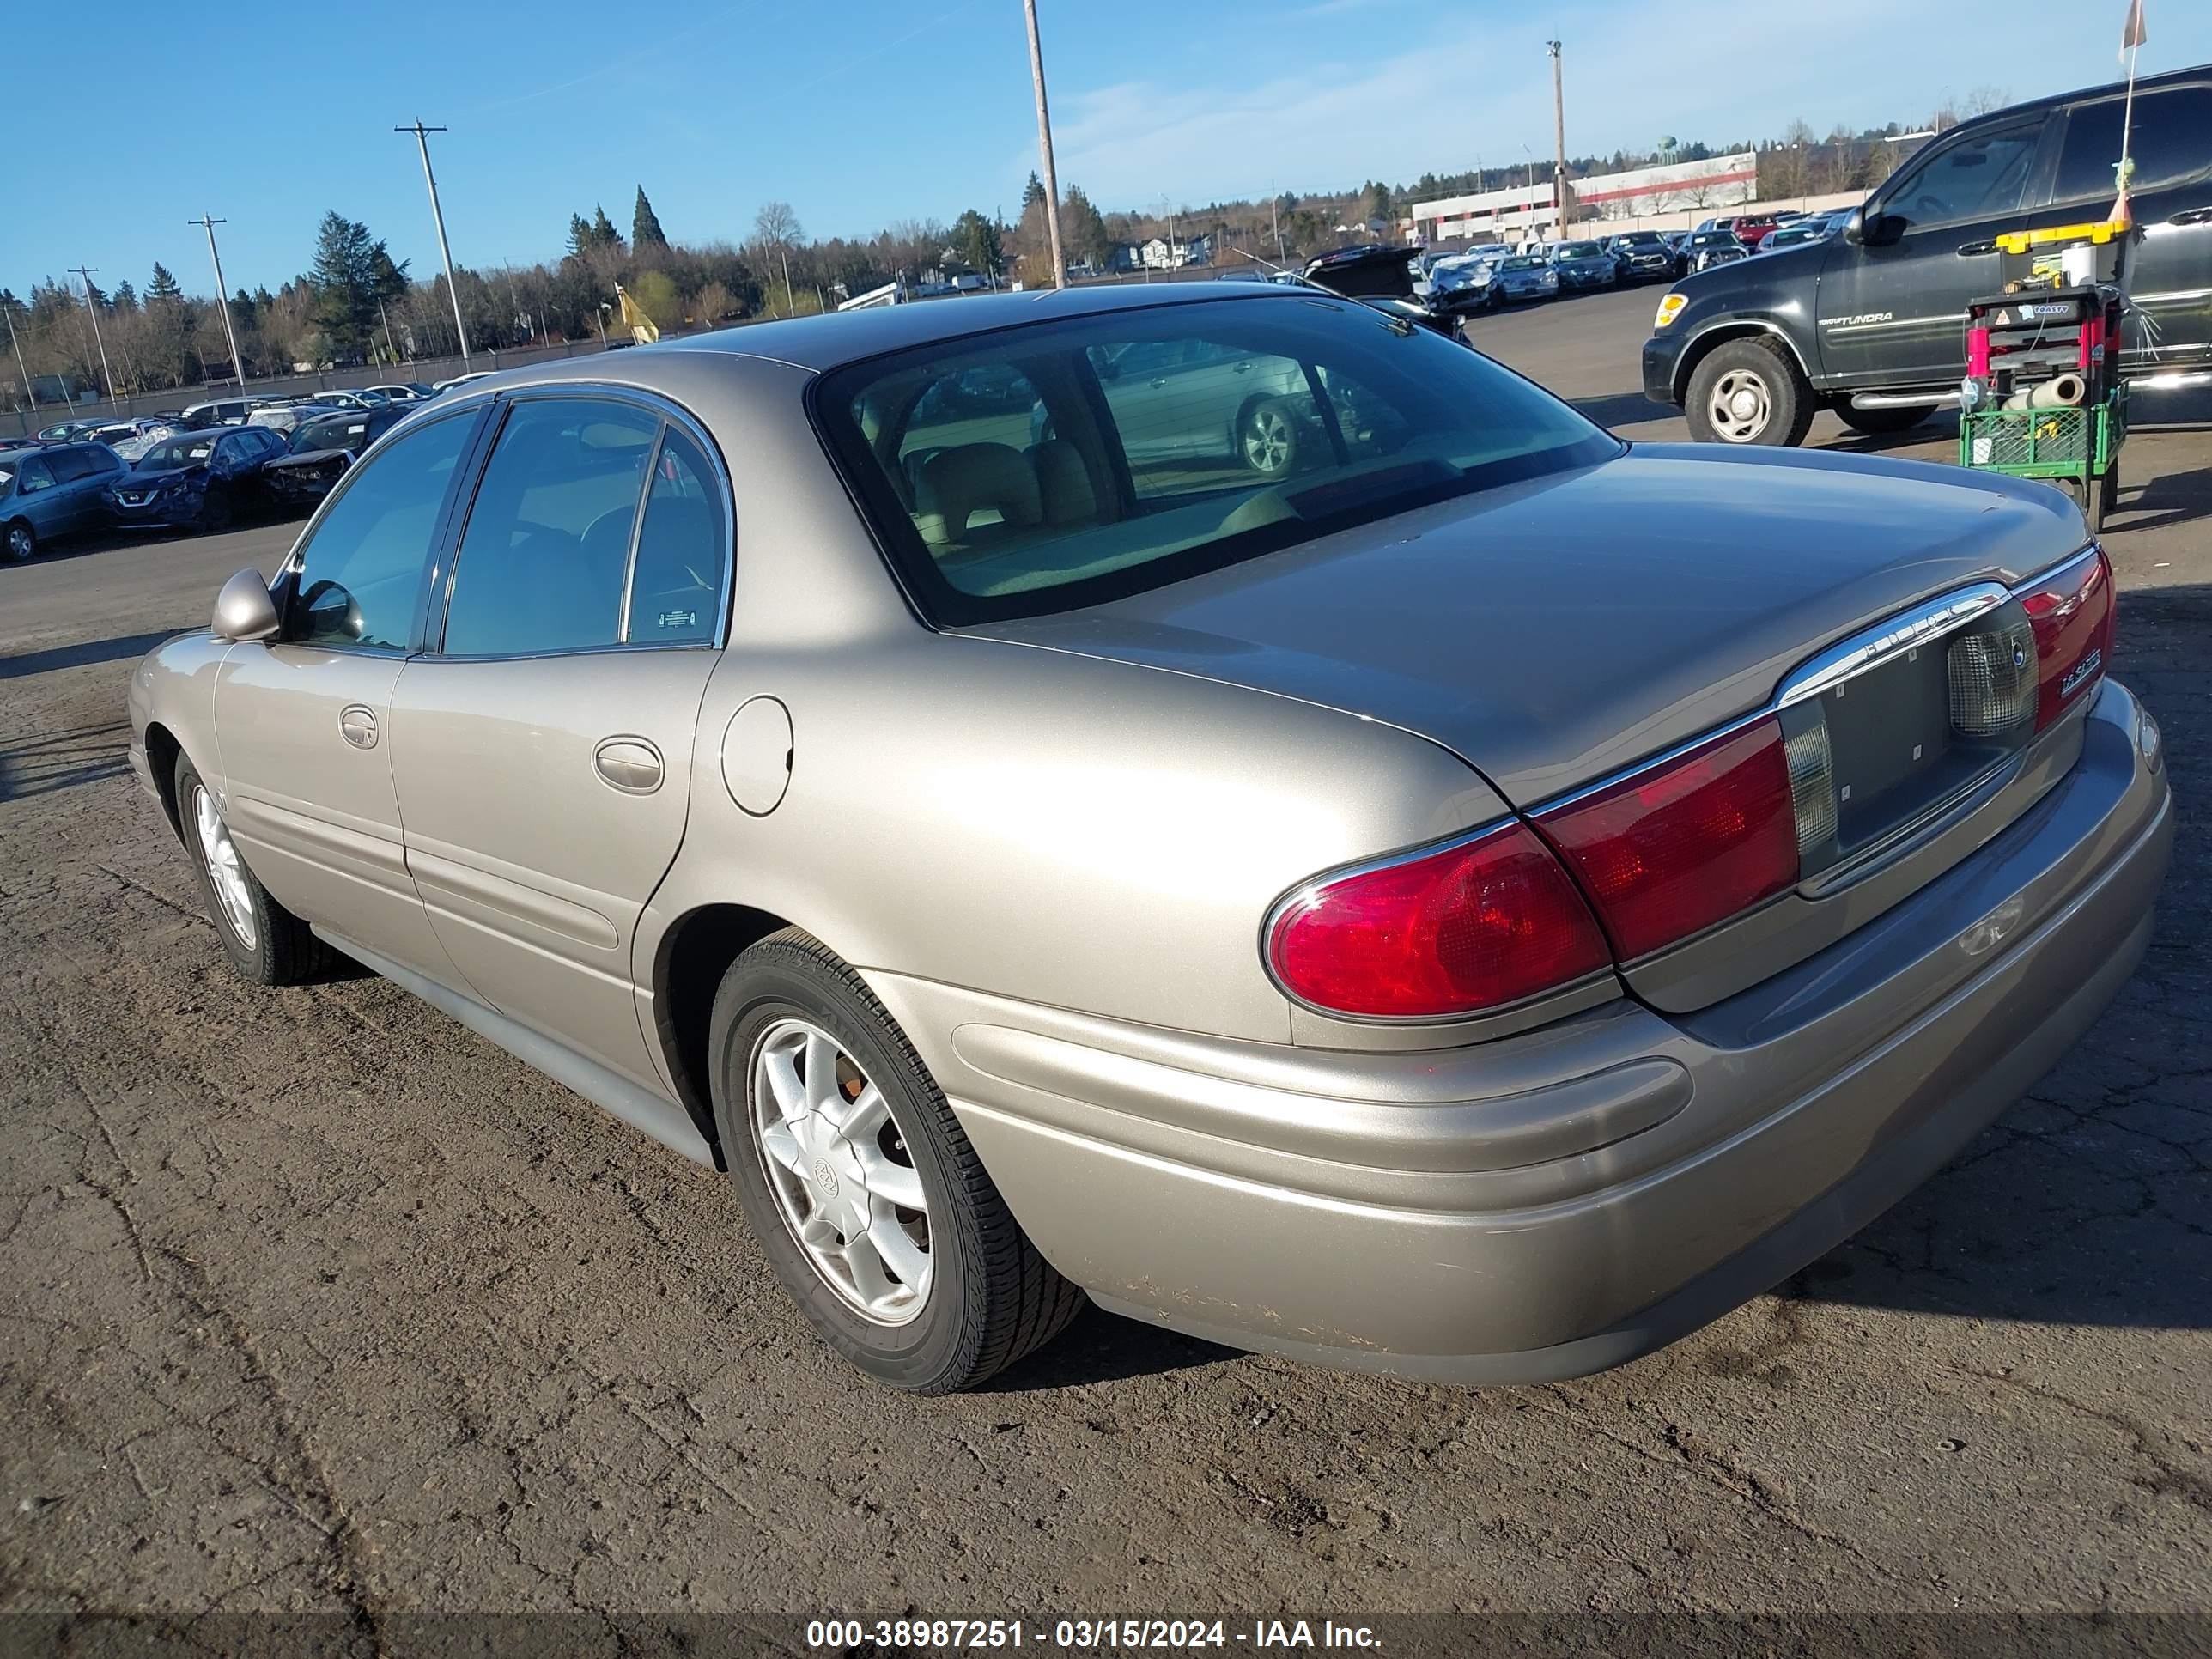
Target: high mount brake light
{"type": "Point", "coordinates": [1490, 922]}
{"type": "Point", "coordinates": [1688, 842]}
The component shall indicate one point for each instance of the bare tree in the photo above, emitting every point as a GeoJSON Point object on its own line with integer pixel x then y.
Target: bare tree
{"type": "Point", "coordinates": [775, 228]}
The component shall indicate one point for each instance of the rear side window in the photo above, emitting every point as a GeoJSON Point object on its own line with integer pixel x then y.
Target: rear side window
{"type": "Point", "coordinates": [1129, 449]}
{"type": "Point", "coordinates": [1976, 177]}
{"type": "Point", "coordinates": [542, 565]}
{"type": "Point", "coordinates": [70, 465]}
{"type": "Point", "coordinates": [361, 567]}
{"type": "Point", "coordinates": [2171, 137]}
{"type": "Point", "coordinates": [675, 584]}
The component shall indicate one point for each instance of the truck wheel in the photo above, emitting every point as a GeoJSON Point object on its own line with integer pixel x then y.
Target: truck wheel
{"type": "Point", "coordinates": [1748, 391]}
{"type": "Point", "coordinates": [1874, 421]}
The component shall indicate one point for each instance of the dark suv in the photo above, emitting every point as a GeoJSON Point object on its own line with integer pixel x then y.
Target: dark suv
{"type": "Point", "coordinates": [1871, 322]}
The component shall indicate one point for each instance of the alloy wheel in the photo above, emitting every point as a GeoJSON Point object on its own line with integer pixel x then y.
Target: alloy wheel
{"type": "Point", "coordinates": [1740, 406]}
{"type": "Point", "coordinates": [836, 1160]}
{"type": "Point", "coordinates": [1269, 440]}
{"type": "Point", "coordinates": [226, 870]}
{"type": "Point", "coordinates": [20, 542]}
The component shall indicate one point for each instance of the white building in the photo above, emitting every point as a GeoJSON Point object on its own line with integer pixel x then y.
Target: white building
{"type": "Point", "coordinates": [1719, 181]}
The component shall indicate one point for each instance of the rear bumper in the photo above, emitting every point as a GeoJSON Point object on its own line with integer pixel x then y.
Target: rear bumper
{"type": "Point", "coordinates": [1555, 1203]}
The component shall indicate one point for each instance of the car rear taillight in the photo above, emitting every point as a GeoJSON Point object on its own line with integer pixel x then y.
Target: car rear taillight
{"type": "Point", "coordinates": [1474, 926]}
{"type": "Point", "coordinates": [2071, 613]}
{"type": "Point", "coordinates": [1687, 842]}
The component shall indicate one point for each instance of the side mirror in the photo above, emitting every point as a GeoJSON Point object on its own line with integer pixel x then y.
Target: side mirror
{"type": "Point", "coordinates": [244, 610]}
{"type": "Point", "coordinates": [1855, 227]}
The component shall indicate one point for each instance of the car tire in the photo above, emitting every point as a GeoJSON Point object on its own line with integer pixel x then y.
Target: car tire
{"type": "Point", "coordinates": [20, 542]}
{"type": "Point", "coordinates": [265, 942]}
{"type": "Point", "coordinates": [818, 1202]}
{"type": "Point", "coordinates": [1267, 438]}
{"type": "Point", "coordinates": [1876, 422]}
{"type": "Point", "coordinates": [1749, 391]}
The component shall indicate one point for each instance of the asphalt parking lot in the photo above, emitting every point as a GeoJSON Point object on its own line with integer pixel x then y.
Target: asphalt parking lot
{"type": "Point", "coordinates": [312, 1302]}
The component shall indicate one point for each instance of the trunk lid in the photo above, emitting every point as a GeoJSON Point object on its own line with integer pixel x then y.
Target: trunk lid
{"type": "Point", "coordinates": [1553, 632]}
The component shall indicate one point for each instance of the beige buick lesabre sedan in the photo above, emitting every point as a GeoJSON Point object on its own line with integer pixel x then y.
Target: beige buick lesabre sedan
{"type": "Point", "coordinates": [1222, 803]}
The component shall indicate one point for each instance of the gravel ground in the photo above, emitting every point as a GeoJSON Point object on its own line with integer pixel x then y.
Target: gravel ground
{"type": "Point", "coordinates": [312, 1302]}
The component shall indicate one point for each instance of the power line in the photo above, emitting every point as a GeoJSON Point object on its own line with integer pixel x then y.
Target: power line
{"type": "Point", "coordinates": [422, 141]}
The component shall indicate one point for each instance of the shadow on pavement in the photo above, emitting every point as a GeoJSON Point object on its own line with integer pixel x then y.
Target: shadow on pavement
{"type": "Point", "coordinates": [77, 656]}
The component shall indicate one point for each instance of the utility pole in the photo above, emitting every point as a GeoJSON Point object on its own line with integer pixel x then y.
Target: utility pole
{"type": "Point", "coordinates": [17, 346]}
{"type": "Point", "coordinates": [422, 141]}
{"type": "Point", "coordinates": [1559, 190]}
{"type": "Point", "coordinates": [1275, 217]}
{"type": "Point", "coordinates": [1044, 148]}
{"type": "Point", "coordinates": [237, 364]}
{"type": "Point", "coordinates": [87, 272]}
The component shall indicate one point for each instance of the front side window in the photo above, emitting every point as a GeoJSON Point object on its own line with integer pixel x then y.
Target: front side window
{"type": "Point", "coordinates": [2170, 138]}
{"type": "Point", "coordinates": [1978, 177]}
{"type": "Point", "coordinates": [361, 569]}
{"type": "Point", "coordinates": [543, 563]}
{"type": "Point", "coordinates": [36, 475]}
{"type": "Point", "coordinates": [1162, 441]}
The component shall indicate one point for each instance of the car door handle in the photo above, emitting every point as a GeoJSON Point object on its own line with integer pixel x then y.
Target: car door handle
{"type": "Point", "coordinates": [357, 725]}
{"type": "Point", "coordinates": [1973, 250]}
{"type": "Point", "coordinates": [2192, 216]}
{"type": "Point", "coordinates": [630, 764]}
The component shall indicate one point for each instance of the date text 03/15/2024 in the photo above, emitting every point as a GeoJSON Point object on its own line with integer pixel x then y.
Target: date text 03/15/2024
{"type": "Point", "coordinates": [1088, 1634]}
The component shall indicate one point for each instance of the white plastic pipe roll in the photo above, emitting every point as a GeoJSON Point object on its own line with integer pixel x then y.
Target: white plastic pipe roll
{"type": "Point", "coordinates": [2059, 392]}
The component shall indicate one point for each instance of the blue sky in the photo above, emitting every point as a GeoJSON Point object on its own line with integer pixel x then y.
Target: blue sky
{"type": "Point", "coordinates": [861, 112]}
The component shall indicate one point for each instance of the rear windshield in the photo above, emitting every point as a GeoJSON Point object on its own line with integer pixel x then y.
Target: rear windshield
{"type": "Point", "coordinates": [177, 452]}
{"type": "Point", "coordinates": [1063, 464]}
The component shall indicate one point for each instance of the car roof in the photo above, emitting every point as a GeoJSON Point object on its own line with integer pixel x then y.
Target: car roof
{"type": "Point", "coordinates": [828, 342]}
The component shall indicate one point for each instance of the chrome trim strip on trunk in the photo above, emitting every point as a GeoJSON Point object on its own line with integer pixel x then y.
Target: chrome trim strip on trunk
{"type": "Point", "coordinates": [1866, 650]}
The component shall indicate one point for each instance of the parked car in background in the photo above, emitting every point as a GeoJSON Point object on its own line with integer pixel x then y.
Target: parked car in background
{"type": "Point", "coordinates": [1525, 277]}
{"type": "Point", "coordinates": [53, 491]}
{"type": "Point", "coordinates": [204, 479]}
{"type": "Point", "coordinates": [286, 415]}
{"type": "Point", "coordinates": [220, 411]}
{"type": "Point", "coordinates": [1584, 265]}
{"type": "Point", "coordinates": [1436, 912]}
{"type": "Point", "coordinates": [1640, 255]}
{"type": "Point", "coordinates": [1874, 312]}
{"type": "Point", "coordinates": [401, 392]}
{"type": "Point", "coordinates": [66, 432]}
{"type": "Point", "coordinates": [1791, 235]}
{"type": "Point", "coordinates": [1749, 231]}
{"type": "Point", "coordinates": [1466, 284]}
{"type": "Point", "coordinates": [130, 438]}
{"type": "Point", "coordinates": [1706, 247]}
{"type": "Point", "coordinates": [320, 451]}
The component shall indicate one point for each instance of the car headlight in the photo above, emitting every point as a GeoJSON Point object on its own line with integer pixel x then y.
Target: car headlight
{"type": "Point", "coordinates": [1669, 309]}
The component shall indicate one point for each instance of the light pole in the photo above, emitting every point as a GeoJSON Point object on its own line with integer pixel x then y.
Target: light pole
{"type": "Point", "coordinates": [422, 141]}
{"type": "Point", "coordinates": [207, 223]}
{"type": "Point", "coordinates": [86, 272]}
{"type": "Point", "coordinates": [1559, 140]}
{"type": "Point", "coordinates": [1044, 148]}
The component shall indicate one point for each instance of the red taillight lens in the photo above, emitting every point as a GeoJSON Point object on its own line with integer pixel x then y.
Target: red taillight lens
{"type": "Point", "coordinates": [1474, 926]}
{"type": "Point", "coordinates": [2072, 617]}
{"type": "Point", "coordinates": [1681, 845]}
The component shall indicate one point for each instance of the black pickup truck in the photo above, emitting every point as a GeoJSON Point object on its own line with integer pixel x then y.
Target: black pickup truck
{"type": "Point", "coordinates": [1870, 321]}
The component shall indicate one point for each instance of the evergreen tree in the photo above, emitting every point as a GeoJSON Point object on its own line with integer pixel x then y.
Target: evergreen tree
{"type": "Point", "coordinates": [163, 286]}
{"type": "Point", "coordinates": [645, 224]}
{"type": "Point", "coordinates": [1033, 191]}
{"type": "Point", "coordinates": [975, 239]}
{"type": "Point", "coordinates": [344, 282]}
{"type": "Point", "coordinates": [580, 235]}
{"type": "Point", "coordinates": [126, 297]}
{"type": "Point", "coordinates": [603, 233]}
